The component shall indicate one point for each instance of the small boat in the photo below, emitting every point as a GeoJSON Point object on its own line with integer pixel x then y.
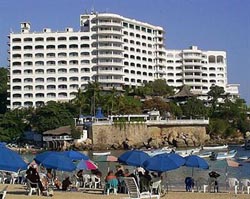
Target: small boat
{"type": "Point", "coordinates": [221, 147]}
{"type": "Point", "coordinates": [102, 153]}
{"type": "Point", "coordinates": [243, 158]}
{"type": "Point", "coordinates": [223, 155]}
{"type": "Point", "coordinates": [159, 151]}
{"type": "Point", "coordinates": [205, 154]}
{"type": "Point", "coordinates": [187, 152]}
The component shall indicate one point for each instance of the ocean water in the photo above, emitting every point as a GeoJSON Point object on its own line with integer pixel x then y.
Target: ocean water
{"type": "Point", "coordinates": [175, 178]}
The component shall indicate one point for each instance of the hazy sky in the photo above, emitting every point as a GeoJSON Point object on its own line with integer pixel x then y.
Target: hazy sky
{"type": "Point", "coordinates": [208, 24]}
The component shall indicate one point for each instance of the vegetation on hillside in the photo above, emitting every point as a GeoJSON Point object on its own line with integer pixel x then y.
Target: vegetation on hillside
{"type": "Point", "coordinates": [227, 118]}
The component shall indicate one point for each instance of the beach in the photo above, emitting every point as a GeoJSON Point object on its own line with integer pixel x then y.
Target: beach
{"type": "Point", "coordinates": [17, 191]}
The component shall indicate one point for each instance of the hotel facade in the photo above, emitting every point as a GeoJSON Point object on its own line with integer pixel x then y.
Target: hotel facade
{"type": "Point", "coordinates": [110, 49]}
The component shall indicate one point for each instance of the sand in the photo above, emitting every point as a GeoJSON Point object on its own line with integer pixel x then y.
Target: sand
{"type": "Point", "coordinates": [19, 192]}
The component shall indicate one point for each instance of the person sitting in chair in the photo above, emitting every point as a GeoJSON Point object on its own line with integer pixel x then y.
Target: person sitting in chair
{"type": "Point", "coordinates": [66, 183]}
{"type": "Point", "coordinates": [33, 176]}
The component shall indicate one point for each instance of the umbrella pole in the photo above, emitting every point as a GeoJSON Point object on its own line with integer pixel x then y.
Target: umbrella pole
{"type": "Point", "coordinates": [226, 176]}
{"type": "Point", "coordinates": [166, 180]}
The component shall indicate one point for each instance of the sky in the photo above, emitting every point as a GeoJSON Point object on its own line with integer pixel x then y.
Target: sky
{"type": "Point", "coordinates": [209, 24]}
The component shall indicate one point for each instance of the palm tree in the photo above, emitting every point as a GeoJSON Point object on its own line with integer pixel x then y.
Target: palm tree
{"type": "Point", "coordinates": [93, 95]}
{"type": "Point", "coordinates": [111, 99]}
{"type": "Point", "coordinates": [80, 100]}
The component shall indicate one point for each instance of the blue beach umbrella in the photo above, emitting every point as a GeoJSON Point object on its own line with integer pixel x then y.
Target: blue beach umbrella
{"type": "Point", "coordinates": [57, 161]}
{"type": "Point", "coordinates": [133, 158]}
{"type": "Point", "coordinates": [41, 156]}
{"type": "Point", "coordinates": [10, 160]}
{"type": "Point", "coordinates": [164, 162]}
{"type": "Point", "coordinates": [195, 161]}
{"type": "Point", "coordinates": [75, 155]}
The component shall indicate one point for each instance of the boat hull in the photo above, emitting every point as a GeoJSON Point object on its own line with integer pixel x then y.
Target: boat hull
{"type": "Point", "coordinates": [215, 147]}
{"type": "Point", "coordinates": [102, 153]}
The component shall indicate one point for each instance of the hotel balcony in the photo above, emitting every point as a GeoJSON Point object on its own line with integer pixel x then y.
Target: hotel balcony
{"type": "Point", "coordinates": [110, 72]}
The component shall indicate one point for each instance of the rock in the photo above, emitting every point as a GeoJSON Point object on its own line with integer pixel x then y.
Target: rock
{"type": "Point", "coordinates": [115, 146]}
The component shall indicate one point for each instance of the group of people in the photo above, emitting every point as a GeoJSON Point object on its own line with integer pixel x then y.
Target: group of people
{"type": "Point", "coordinates": [212, 182]}
{"type": "Point", "coordinates": [45, 179]}
{"type": "Point", "coordinates": [143, 178]}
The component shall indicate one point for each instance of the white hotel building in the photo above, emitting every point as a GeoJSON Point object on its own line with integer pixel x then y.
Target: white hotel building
{"type": "Point", "coordinates": [111, 49]}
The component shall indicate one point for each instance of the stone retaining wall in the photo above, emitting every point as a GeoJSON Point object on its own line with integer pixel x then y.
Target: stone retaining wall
{"type": "Point", "coordinates": [139, 133]}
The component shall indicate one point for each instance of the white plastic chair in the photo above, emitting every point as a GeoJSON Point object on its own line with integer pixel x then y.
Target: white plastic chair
{"type": "Point", "coordinates": [233, 183]}
{"type": "Point", "coordinates": [78, 182]}
{"type": "Point", "coordinates": [32, 187]}
{"type": "Point", "coordinates": [201, 183]}
{"type": "Point", "coordinates": [133, 190]}
{"type": "Point", "coordinates": [14, 178]}
{"type": "Point", "coordinates": [3, 192]}
{"type": "Point", "coordinates": [95, 181]}
{"type": "Point", "coordinates": [111, 185]}
{"type": "Point", "coordinates": [86, 181]}
{"type": "Point", "coordinates": [156, 186]}
{"type": "Point", "coordinates": [245, 184]}
{"type": "Point", "coordinates": [3, 177]}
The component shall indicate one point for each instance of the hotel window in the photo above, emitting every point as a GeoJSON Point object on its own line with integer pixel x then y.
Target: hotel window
{"type": "Point", "coordinates": [51, 55]}
{"type": "Point", "coordinates": [125, 24]}
{"type": "Point", "coordinates": [84, 38]}
{"type": "Point", "coordinates": [73, 46]}
{"type": "Point", "coordinates": [28, 55]}
{"type": "Point", "coordinates": [27, 39]}
{"type": "Point", "coordinates": [51, 79]}
{"type": "Point", "coordinates": [62, 39]}
{"type": "Point", "coordinates": [16, 48]}
{"type": "Point", "coordinates": [131, 26]}
{"type": "Point", "coordinates": [62, 54]}
{"type": "Point", "coordinates": [73, 38]}
{"type": "Point", "coordinates": [39, 47]}
{"type": "Point", "coordinates": [62, 46]}
{"type": "Point", "coordinates": [39, 39]}
{"type": "Point", "coordinates": [16, 40]}
{"type": "Point", "coordinates": [27, 47]}
{"type": "Point", "coordinates": [50, 39]}
{"type": "Point", "coordinates": [39, 55]}
{"type": "Point", "coordinates": [50, 47]}
{"type": "Point", "coordinates": [84, 46]}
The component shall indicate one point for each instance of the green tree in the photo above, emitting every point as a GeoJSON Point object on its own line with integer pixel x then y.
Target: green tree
{"type": "Point", "coordinates": [12, 125]}
{"type": "Point", "coordinates": [109, 100]}
{"type": "Point", "coordinates": [80, 101]}
{"type": "Point", "coordinates": [93, 96]}
{"type": "Point", "coordinates": [51, 116]}
{"type": "Point", "coordinates": [3, 90]}
{"type": "Point", "coordinates": [75, 133]}
{"type": "Point", "coordinates": [156, 103]}
{"type": "Point", "coordinates": [215, 93]}
{"type": "Point", "coordinates": [217, 127]}
{"type": "Point", "coordinates": [175, 110]}
{"type": "Point", "coordinates": [194, 108]}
